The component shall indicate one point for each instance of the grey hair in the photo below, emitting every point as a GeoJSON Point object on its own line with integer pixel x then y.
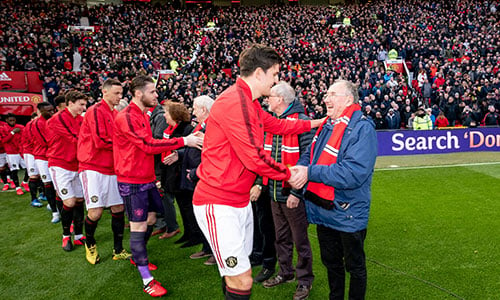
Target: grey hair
{"type": "Point", "coordinates": [204, 101]}
{"type": "Point", "coordinates": [351, 89]}
{"type": "Point", "coordinates": [283, 89]}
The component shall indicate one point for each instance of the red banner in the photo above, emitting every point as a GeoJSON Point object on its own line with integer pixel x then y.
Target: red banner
{"type": "Point", "coordinates": [21, 81]}
{"type": "Point", "coordinates": [35, 85]}
{"type": "Point", "coordinates": [19, 103]}
{"type": "Point", "coordinates": [12, 81]}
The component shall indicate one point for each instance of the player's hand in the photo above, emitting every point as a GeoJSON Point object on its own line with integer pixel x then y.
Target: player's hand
{"type": "Point", "coordinates": [255, 192]}
{"type": "Point", "coordinates": [171, 158]}
{"type": "Point", "coordinates": [299, 177]}
{"type": "Point", "coordinates": [188, 171]}
{"type": "Point", "coordinates": [292, 201]}
{"type": "Point", "coordinates": [194, 140]}
{"type": "Point", "coordinates": [16, 130]}
{"type": "Point", "coordinates": [317, 123]}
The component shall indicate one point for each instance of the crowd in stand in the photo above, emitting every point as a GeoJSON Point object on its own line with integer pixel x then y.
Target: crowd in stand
{"type": "Point", "coordinates": [451, 47]}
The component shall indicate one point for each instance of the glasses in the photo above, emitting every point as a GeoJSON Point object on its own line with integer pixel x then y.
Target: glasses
{"type": "Point", "coordinates": [335, 95]}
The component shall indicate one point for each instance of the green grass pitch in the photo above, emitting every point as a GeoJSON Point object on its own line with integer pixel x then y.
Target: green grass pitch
{"type": "Point", "coordinates": [434, 233]}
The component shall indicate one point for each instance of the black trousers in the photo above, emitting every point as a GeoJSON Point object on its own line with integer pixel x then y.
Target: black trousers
{"type": "Point", "coordinates": [341, 252]}
{"type": "Point", "coordinates": [264, 237]}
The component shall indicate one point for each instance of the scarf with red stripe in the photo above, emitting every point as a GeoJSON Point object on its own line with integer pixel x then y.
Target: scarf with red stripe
{"type": "Point", "coordinates": [200, 126]}
{"type": "Point", "coordinates": [166, 135]}
{"type": "Point", "coordinates": [319, 191]}
{"type": "Point", "coordinates": [290, 150]}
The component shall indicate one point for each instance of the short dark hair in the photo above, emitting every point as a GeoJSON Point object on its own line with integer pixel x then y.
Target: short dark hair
{"type": "Point", "coordinates": [139, 82]}
{"type": "Point", "coordinates": [10, 115]}
{"type": "Point", "coordinates": [41, 105]}
{"type": "Point", "coordinates": [73, 96]}
{"type": "Point", "coordinates": [59, 99]}
{"type": "Point", "coordinates": [258, 56]}
{"type": "Point", "coordinates": [111, 82]}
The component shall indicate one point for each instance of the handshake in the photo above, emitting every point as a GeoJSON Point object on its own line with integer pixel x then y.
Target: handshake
{"type": "Point", "coordinates": [298, 176]}
{"type": "Point", "coordinates": [194, 140]}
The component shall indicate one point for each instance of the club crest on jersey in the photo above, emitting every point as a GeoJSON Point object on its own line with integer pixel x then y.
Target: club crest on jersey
{"type": "Point", "coordinates": [44, 176]}
{"type": "Point", "coordinates": [64, 191]}
{"type": "Point", "coordinates": [138, 212]}
{"type": "Point", "coordinates": [14, 165]}
{"type": "Point", "coordinates": [94, 199]}
{"type": "Point", "coordinates": [32, 169]}
{"type": "Point", "coordinates": [231, 261]}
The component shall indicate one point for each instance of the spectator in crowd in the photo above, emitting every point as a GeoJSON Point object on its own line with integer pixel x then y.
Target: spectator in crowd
{"type": "Point", "coordinates": [491, 118]}
{"type": "Point", "coordinates": [441, 120]}
{"type": "Point", "coordinates": [422, 120]}
{"type": "Point", "coordinates": [393, 119]}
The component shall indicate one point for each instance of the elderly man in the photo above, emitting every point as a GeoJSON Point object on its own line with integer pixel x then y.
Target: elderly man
{"type": "Point", "coordinates": [338, 167]}
{"type": "Point", "coordinates": [287, 207]}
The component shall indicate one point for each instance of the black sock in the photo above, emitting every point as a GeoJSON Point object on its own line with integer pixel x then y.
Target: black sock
{"type": "Point", "coordinates": [234, 294]}
{"type": "Point", "coordinates": [26, 177]}
{"type": "Point", "coordinates": [223, 285]}
{"type": "Point", "coordinates": [33, 185]}
{"type": "Point", "coordinates": [50, 194]}
{"type": "Point", "coordinates": [59, 203]}
{"type": "Point", "coordinates": [41, 188]}
{"type": "Point", "coordinates": [66, 218]}
{"type": "Point", "coordinates": [78, 216]}
{"type": "Point", "coordinates": [118, 225]}
{"type": "Point", "coordinates": [90, 227]}
{"type": "Point", "coordinates": [3, 175]}
{"type": "Point", "coordinates": [149, 231]}
{"type": "Point", "coordinates": [14, 177]}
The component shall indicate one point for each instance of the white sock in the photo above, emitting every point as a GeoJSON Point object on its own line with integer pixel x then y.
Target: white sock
{"type": "Point", "coordinates": [146, 281]}
{"type": "Point", "coordinates": [55, 214]}
{"type": "Point", "coordinates": [78, 236]}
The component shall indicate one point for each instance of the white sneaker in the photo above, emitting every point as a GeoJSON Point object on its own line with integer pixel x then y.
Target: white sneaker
{"type": "Point", "coordinates": [49, 208]}
{"type": "Point", "coordinates": [55, 218]}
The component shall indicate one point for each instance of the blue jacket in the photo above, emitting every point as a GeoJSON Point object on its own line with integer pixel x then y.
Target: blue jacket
{"type": "Point", "coordinates": [351, 176]}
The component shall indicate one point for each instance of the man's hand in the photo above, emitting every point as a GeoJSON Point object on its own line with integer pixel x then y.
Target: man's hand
{"type": "Point", "coordinates": [317, 123]}
{"type": "Point", "coordinates": [255, 192]}
{"type": "Point", "coordinates": [194, 140]}
{"type": "Point", "coordinates": [171, 158]}
{"type": "Point", "coordinates": [299, 177]}
{"type": "Point", "coordinates": [16, 130]}
{"type": "Point", "coordinates": [292, 201]}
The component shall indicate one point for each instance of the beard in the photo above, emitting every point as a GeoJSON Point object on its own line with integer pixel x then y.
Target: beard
{"type": "Point", "coordinates": [148, 102]}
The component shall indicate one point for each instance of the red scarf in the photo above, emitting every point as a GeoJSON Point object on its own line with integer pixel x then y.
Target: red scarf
{"type": "Point", "coordinates": [200, 126]}
{"type": "Point", "coordinates": [166, 135]}
{"type": "Point", "coordinates": [329, 154]}
{"type": "Point", "coordinates": [290, 150]}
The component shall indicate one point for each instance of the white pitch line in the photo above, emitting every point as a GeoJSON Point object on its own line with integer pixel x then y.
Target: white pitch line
{"type": "Point", "coordinates": [440, 166]}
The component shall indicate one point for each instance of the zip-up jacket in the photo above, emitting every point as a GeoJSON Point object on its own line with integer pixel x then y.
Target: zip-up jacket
{"type": "Point", "coordinates": [276, 187]}
{"type": "Point", "coordinates": [63, 140]}
{"type": "Point", "coordinates": [27, 141]}
{"type": "Point", "coordinates": [351, 175]}
{"type": "Point", "coordinates": [134, 146]}
{"type": "Point", "coordinates": [12, 142]}
{"type": "Point", "coordinates": [40, 138]}
{"type": "Point", "coordinates": [233, 152]}
{"type": "Point", "coordinates": [95, 141]}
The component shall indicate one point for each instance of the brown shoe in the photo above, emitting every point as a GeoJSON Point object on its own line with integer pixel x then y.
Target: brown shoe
{"type": "Point", "coordinates": [210, 262]}
{"type": "Point", "coordinates": [168, 235]}
{"type": "Point", "coordinates": [159, 231]}
{"type": "Point", "coordinates": [277, 280]}
{"type": "Point", "coordinates": [201, 254]}
{"type": "Point", "coordinates": [302, 292]}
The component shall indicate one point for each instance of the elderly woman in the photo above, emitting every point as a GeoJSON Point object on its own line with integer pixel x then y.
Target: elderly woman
{"type": "Point", "coordinates": [190, 162]}
{"type": "Point", "coordinates": [178, 121]}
